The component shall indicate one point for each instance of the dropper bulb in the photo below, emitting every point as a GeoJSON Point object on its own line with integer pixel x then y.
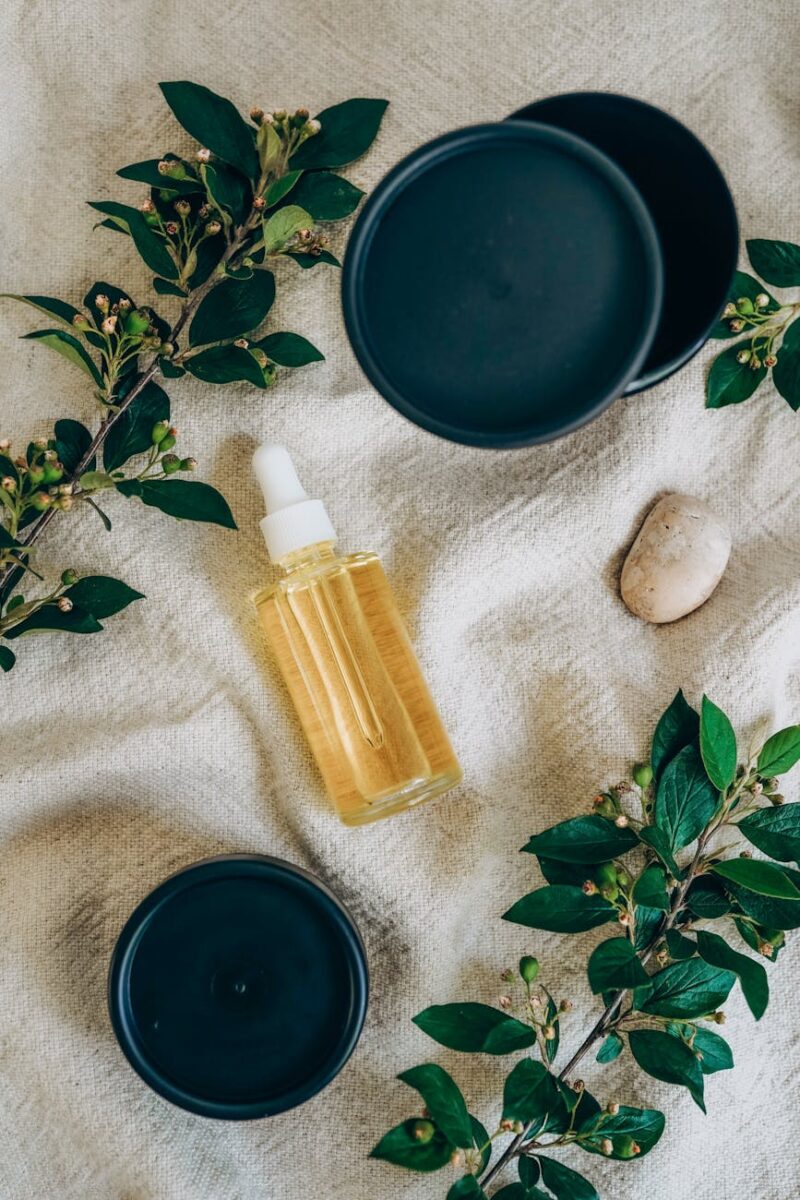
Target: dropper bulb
{"type": "Point", "coordinates": [277, 478]}
{"type": "Point", "coordinates": [293, 521]}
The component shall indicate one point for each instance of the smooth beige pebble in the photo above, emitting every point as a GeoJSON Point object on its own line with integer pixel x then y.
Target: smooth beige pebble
{"type": "Point", "coordinates": [677, 560]}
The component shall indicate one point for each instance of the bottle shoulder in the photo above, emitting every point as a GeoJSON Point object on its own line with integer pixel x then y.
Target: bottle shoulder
{"type": "Point", "coordinates": [302, 576]}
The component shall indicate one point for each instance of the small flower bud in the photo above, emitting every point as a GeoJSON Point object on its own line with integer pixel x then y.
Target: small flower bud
{"type": "Point", "coordinates": [64, 604]}
{"type": "Point", "coordinates": [549, 1032]}
{"type": "Point", "coordinates": [757, 788]}
{"type": "Point", "coordinates": [771, 360]}
{"type": "Point", "coordinates": [736, 326]}
{"type": "Point", "coordinates": [188, 464]}
{"type": "Point", "coordinates": [182, 207]}
{"type": "Point", "coordinates": [257, 115]}
{"type": "Point", "coordinates": [612, 1108]}
{"type": "Point", "coordinates": [565, 1006]}
{"type": "Point", "coordinates": [8, 484]}
{"type": "Point", "coordinates": [203, 211]}
{"type": "Point", "coordinates": [65, 489]}
{"type": "Point", "coordinates": [64, 503]}
{"type": "Point", "coordinates": [743, 357]}
{"type": "Point", "coordinates": [507, 975]}
{"type": "Point", "coordinates": [589, 887]}
{"type": "Point", "coordinates": [302, 114]}
{"type": "Point", "coordinates": [213, 227]}
{"type": "Point", "coordinates": [766, 948]}
{"type": "Point", "coordinates": [242, 343]}
{"type": "Point", "coordinates": [771, 785]}
{"type": "Point", "coordinates": [528, 968]}
{"type": "Point", "coordinates": [203, 155]}
{"type": "Point", "coordinates": [109, 325]}
{"type": "Point", "coordinates": [624, 918]}
{"type": "Point", "coordinates": [147, 206]}
{"type": "Point", "coordinates": [423, 1131]}
{"type": "Point", "coordinates": [305, 235]}
{"type": "Point", "coordinates": [621, 821]}
{"type": "Point", "coordinates": [777, 799]}
{"type": "Point", "coordinates": [166, 349]}
{"type": "Point", "coordinates": [578, 1085]}
{"type": "Point", "coordinates": [280, 114]}
{"type": "Point", "coordinates": [506, 1125]}
{"type": "Point", "coordinates": [165, 166]}
{"type": "Point", "coordinates": [642, 775]}
{"type": "Point", "coordinates": [5, 444]}
{"type": "Point", "coordinates": [504, 1002]}
{"type": "Point", "coordinates": [172, 227]}
{"type": "Point", "coordinates": [41, 444]}
{"type": "Point", "coordinates": [260, 357]}
{"type": "Point", "coordinates": [124, 305]}
{"type": "Point", "coordinates": [457, 1157]}
{"type": "Point", "coordinates": [718, 1018]}
{"type": "Point", "coordinates": [606, 1146]}
{"type": "Point", "coordinates": [761, 300]}
{"type": "Point", "coordinates": [259, 202]}
{"type": "Point", "coordinates": [745, 854]}
{"type": "Point", "coordinates": [49, 455]}
{"type": "Point", "coordinates": [313, 126]}
{"type": "Point", "coordinates": [518, 1127]}
{"type": "Point", "coordinates": [755, 363]}
{"type": "Point", "coordinates": [729, 310]}
{"type": "Point", "coordinates": [81, 322]}
{"type": "Point", "coordinates": [101, 302]}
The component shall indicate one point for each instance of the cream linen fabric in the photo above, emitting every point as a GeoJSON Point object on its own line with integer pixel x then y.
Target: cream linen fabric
{"type": "Point", "coordinates": [169, 737]}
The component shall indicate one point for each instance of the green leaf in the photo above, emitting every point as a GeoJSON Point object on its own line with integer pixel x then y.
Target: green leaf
{"type": "Point", "coordinates": [327, 197]}
{"type": "Point", "coordinates": [685, 989]}
{"type": "Point", "coordinates": [515, 1191]}
{"type": "Point", "coordinates": [529, 1093]}
{"type": "Point", "coordinates": [780, 752]}
{"type": "Point", "coordinates": [226, 364]}
{"type": "Point", "coordinates": [564, 1183]}
{"type": "Point", "coordinates": [561, 872]}
{"type": "Point", "coordinates": [95, 481]}
{"type": "Point", "coordinates": [644, 1125]}
{"type": "Point", "coordinates": [679, 726]}
{"type": "Point", "coordinates": [281, 226]}
{"type": "Point", "coordinates": [614, 964]}
{"type": "Point", "coordinates": [130, 432]}
{"type": "Point", "coordinates": [680, 947]}
{"type": "Point", "coordinates": [658, 841]}
{"type": "Point", "coordinates": [101, 595]}
{"type": "Point", "coordinates": [348, 130]}
{"type": "Point", "coordinates": [215, 123]}
{"type": "Point", "coordinates": [114, 295]}
{"type": "Point", "coordinates": [686, 800]}
{"type": "Point", "coordinates": [611, 1048]}
{"type": "Point", "coordinates": [50, 617]}
{"type": "Point", "coordinates": [743, 285]}
{"type": "Point", "coordinates": [466, 1188]}
{"type": "Point", "coordinates": [767, 910]}
{"type": "Point", "coordinates": [72, 441]}
{"type": "Point", "coordinates": [717, 745]}
{"type": "Point", "coordinates": [232, 308]}
{"type": "Point", "coordinates": [752, 976]}
{"type": "Point", "coordinates": [776, 831]}
{"type": "Point", "coordinates": [706, 899]}
{"type": "Point", "coordinates": [7, 658]}
{"type": "Point", "coordinates": [731, 382]}
{"type": "Point", "coordinates": [715, 1051]}
{"type": "Point", "coordinates": [650, 889]}
{"type": "Point", "coordinates": [164, 288]}
{"type": "Point", "coordinates": [151, 247]}
{"type": "Point", "coordinates": [648, 921]}
{"type": "Point", "coordinates": [666, 1058]}
{"type": "Point", "coordinates": [289, 349]}
{"type": "Point", "coordinates": [589, 839]}
{"type": "Point", "coordinates": [186, 499]}
{"type": "Point", "coordinates": [753, 936]}
{"type": "Point", "coordinates": [762, 877]}
{"type": "Point", "coordinates": [474, 1028]}
{"type": "Point", "coordinates": [561, 909]}
{"type": "Point", "coordinates": [148, 172]}
{"type": "Point", "coordinates": [399, 1146]}
{"type": "Point", "coordinates": [54, 308]}
{"type": "Point", "coordinates": [777, 262]}
{"type": "Point", "coordinates": [443, 1100]}
{"type": "Point", "coordinates": [306, 261]}
{"type": "Point", "coordinates": [281, 187]}
{"type": "Point", "coordinates": [170, 370]}
{"type": "Point", "coordinates": [68, 346]}
{"type": "Point", "coordinates": [481, 1141]}
{"type": "Point", "coordinates": [786, 372]}
{"type": "Point", "coordinates": [529, 1171]}
{"type": "Point", "coordinates": [229, 190]}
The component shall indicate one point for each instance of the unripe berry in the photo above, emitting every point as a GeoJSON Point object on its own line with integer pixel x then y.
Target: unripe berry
{"type": "Point", "coordinates": [40, 501]}
{"type": "Point", "coordinates": [188, 464]}
{"type": "Point", "coordinates": [137, 322]}
{"type": "Point", "coordinates": [8, 484]}
{"type": "Point", "coordinates": [36, 474]}
{"type": "Point", "coordinates": [642, 775]}
{"type": "Point", "coordinates": [744, 305]}
{"type": "Point", "coordinates": [69, 577]}
{"type": "Point", "coordinates": [53, 471]}
{"type": "Point", "coordinates": [423, 1131]}
{"type": "Point", "coordinates": [159, 432]}
{"type": "Point", "coordinates": [170, 463]}
{"type": "Point", "coordinates": [612, 1108]}
{"type": "Point", "coordinates": [528, 968]}
{"type": "Point", "coordinates": [167, 442]}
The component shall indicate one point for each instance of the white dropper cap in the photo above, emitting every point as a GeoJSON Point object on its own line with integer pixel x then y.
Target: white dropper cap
{"type": "Point", "coordinates": [292, 521]}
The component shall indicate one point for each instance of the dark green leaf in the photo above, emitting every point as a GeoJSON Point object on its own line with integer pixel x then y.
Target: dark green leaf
{"type": "Point", "coordinates": [466, 1188]}
{"type": "Point", "coordinates": [786, 372]}
{"type": "Point", "coordinates": [7, 658]}
{"type": "Point", "coordinates": [54, 308]}
{"type": "Point", "coordinates": [529, 1172]}
{"type": "Point", "coordinates": [776, 831]}
{"type": "Point", "coordinates": [399, 1146]}
{"type": "Point", "coordinates": [187, 499]}
{"type": "Point", "coordinates": [474, 1028]}
{"type": "Point", "coordinates": [762, 877]}
{"type": "Point", "coordinates": [281, 226]}
{"type": "Point", "coordinates": [72, 441]}
{"type": "Point", "coordinates": [686, 799]}
{"type": "Point", "coordinates": [101, 595]}
{"type": "Point", "coordinates": [443, 1101]}
{"type": "Point", "coordinates": [552, 1018]}
{"type": "Point", "coordinates": [680, 947]}
{"type": "Point", "coordinates": [611, 1048]}
{"type": "Point", "coordinates": [706, 899]}
{"type": "Point", "coordinates": [232, 308]}
{"type": "Point", "coordinates": [743, 285]}
{"type": "Point", "coordinates": [780, 752]}
{"type": "Point", "coordinates": [131, 431]}
{"type": "Point", "coordinates": [50, 617]}
{"type": "Point", "coordinates": [614, 964]}
{"type": "Point", "coordinates": [766, 910]}
{"type": "Point", "coordinates": [289, 349]}
{"type": "Point", "coordinates": [281, 187]}
{"type": "Point", "coordinates": [666, 1058]}
{"type": "Point", "coordinates": [777, 262]}
{"type": "Point", "coordinates": [314, 260]}
{"type": "Point", "coordinates": [148, 172]}
{"type": "Point", "coordinates": [561, 909]}
{"type": "Point", "coordinates": [515, 1191]}
{"type": "Point", "coordinates": [715, 1051]}
{"type": "Point", "coordinates": [170, 370]}
{"type": "Point", "coordinates": [650, 888]}
{"type": "Point", "coordinates": [215, 123]}
{"type": "Point", "coordinates": [590, 839]}
{"type": "Point", "coordinates": [96, 508]}
{"type": "Point", "coordinates": [530, 1092]}
{"type": "Point", "coordinates": [481, 1141]}
{"type": "Point", "coordinates": [679, 726]}
{"type": "Point", "coordinates": [226, 364]}
{"type": "Point", "coordinates": [348, 130]}
{"type": "Point", "coordinates": [685, 989]}
{"type": "Point", "coordinates": [564, 1183]}
{"type": "Point", "coordinates": [648, 922]}
{"type": "Point", "coordinates": [752, 976]}
{"type": "Point", "coordinates": [151, 247]}
{"type": "Point", "coordinates": [165, 288]}
{"type": "Point", "coordinates": [229, 190]}
{"type": "Point", "coordinates": [561, 872]}
{"type": "Point", "coordinates": [68, 346]}
{"type": "Point", "coordinates": [327, 197]}
{"type": "Point", "coordinates": [209, 252]}
{"type": "Point", "coordinates": [717, 745]}
{"type": "Point", "coordinates": [644, 1125]}
{"type": "Point", "coordinates": [658, 841]}
{"type": "Point", "coordinates": [731, 382]}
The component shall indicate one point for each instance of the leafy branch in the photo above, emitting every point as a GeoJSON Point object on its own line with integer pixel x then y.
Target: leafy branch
{"type": "Point", "coordinates": [662, 975]}
{"type": "Point", "coordinates": [209, 228]}
{"type": "Point", "coordinates": [766, 329]}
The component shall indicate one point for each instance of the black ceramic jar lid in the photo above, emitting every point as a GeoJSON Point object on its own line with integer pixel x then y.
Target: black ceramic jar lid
{"type": "Point", "coordinates": [503, 284]}
{"type": "Point", "coordinates": [238, 988]}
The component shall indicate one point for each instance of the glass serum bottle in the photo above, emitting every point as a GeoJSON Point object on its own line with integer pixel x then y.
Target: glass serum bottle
{"type": "Point", "coordinates": [346, 658]}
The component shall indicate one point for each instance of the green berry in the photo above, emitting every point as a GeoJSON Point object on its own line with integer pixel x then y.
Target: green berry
{"type": "Point", "coordinates": [36, 474]}
{"type": "Point", "coordinates": [170, 463]}
{"type": "Point", "coordinates": [605, 875]}
{"type": "Point", "coordinates": [529, 968]}
{"type": "Point", "coordinates": [53, 471]}
{"type": "Point", "coordinates": [423, 1131]}
{"type": "Point", "coordinates": [745, 305]}
{"type": "Point", "coordinates": [159, 432]}
{"type": "Point", "coordinates": [167, 442]}
{"type": "Point", "coordinates": [643, 775]}
{"type": "Point", "coordinates": [137, 322]}
{"type": "Point", "coordinates": [40, 501]}
{"type": "Point", "coordinates": [626, 1147]}
{"type": "Point", "coordinates": [69, 577]}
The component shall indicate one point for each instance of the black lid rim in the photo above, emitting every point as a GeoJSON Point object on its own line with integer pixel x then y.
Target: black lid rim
{"type": "Point", "coordinates": [416, 162]}
{"type": "Point", "coordinates": [659, 374]}
{"type": "Point", "coordinates": [123, 1023]}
